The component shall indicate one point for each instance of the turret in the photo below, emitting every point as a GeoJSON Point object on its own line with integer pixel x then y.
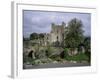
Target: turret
{"type": "Point", "coordinates": [53, 27]}
{"type": "Point", "coordinates": [53, 24]}
{"type": "Point", "coordinates": [63, 24]}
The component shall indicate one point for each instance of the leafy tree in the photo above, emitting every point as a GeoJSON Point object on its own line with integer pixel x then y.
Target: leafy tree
{"type": "Point", "coordinates": [74, 33]}
{"type": "Point", "coordinates": [41, 35]}
{"type": "Point", "coordinates": [33, 36]}
{"type": "Point", "coordinates": [87, 42]}
{"type": "Point", "coordinates": [36, 36]}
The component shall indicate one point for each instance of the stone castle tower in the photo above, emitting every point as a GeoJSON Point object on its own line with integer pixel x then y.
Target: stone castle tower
{"type": "Point", "coordinates": [57, 33]}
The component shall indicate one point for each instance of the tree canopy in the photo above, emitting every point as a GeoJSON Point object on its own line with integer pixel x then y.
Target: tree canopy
{"type": "Point", "coordinates": [74, 33]}
{"type": "Point", "coordinates": [36, 36]}
{"type": "Point", "coordinates": [33, 36]}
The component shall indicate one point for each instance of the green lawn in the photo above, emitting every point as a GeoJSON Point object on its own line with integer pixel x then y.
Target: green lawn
{"type": "Point", "coordinates": [79, 57]}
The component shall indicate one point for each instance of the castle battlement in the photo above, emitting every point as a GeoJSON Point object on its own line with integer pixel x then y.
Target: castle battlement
{"type": "Point", "coordinates": [56, 34]}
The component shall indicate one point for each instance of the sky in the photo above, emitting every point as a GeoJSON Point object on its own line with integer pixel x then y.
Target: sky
{"type": "Point", "coordinates": [40, 21]}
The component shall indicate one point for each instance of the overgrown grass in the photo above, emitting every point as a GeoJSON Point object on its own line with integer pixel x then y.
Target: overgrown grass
{"type": "Point", "coordinates": [79, 57]}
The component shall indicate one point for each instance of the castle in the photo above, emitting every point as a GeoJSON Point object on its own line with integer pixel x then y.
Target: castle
{"type": "Point", "coordinates": [56, 34]}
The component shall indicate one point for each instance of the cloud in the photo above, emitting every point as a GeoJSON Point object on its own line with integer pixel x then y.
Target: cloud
{"type": "Point", "coordinates": [40, 21]}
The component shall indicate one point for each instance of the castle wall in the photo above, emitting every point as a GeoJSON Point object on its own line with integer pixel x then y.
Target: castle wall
{"type": "Point", "coordinates": [57, 33]}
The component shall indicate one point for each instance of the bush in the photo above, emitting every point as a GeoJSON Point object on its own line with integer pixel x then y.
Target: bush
{"type": "Point", "coordinates": [65, 52]}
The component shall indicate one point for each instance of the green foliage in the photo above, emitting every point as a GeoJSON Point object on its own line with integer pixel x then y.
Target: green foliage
{"type": "Point", "coordinates": [74, 33]}
{"type": "Point", "coordinates": [65, 52]}
{"type": "Point", "coordinates": [87, 42]}
{"type": "Point", "coordinates": [33, 36]}
{"type": "Point", "coordinates": [79, 57]}
{"type": "Point", "coordinates": [41, 35]}
{"type": "Point", "coordinates": [36, 36]}
{"type": "Point", "coordinates": [87, 45]}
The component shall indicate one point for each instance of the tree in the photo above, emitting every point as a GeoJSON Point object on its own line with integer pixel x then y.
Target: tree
{"type": "Point", "coordinates": [36, 36]}
{"type": "Point", "coordinates": [87, 42]}
{"type": "Point", "coordinates": [41, 35]}
{"type": "Point", "coordinates": [33, 36]}
{"type": "Point", "coordinates": [74, 33]}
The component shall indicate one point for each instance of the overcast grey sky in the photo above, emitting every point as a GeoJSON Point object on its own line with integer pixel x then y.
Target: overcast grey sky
{"type": "Point", "coordinates": [40, 21]}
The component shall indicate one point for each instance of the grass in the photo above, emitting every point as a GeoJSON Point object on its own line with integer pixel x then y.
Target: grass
{"type": "Point", "coordinates": [79, 57]}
